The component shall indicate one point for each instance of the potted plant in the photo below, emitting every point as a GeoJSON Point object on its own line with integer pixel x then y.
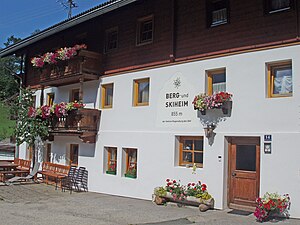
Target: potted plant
{"type": "Point", "coordinates": [272, 205]}
{"type": "Point", "coordinates": [112, 169]}
{"type": "Point", "coordinates": [195, 194]}
{"type": "Point", "coordinates": [131, 172]}
{"type": "Point", "coordinates": [220, 100]}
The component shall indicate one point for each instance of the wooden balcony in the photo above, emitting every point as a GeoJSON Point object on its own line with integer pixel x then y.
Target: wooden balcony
{"type": "Point", "coordinates": [85, 66]}
{"type": "Point", "coordinates": [82, 123]}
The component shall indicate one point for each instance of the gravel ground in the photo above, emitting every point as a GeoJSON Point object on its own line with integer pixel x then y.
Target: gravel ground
{"type": "Point", "coordinates": [39, 204]}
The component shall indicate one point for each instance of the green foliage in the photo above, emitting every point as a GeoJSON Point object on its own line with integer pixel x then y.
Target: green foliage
{"type": "Point", "coordinates": [160, 191]}
{"type": "Point", "coordinates": [9, 66]}
{"type": "Point", "coordinates": [27, 128]}
{"type": "Point", "coordinates": [6, 125]}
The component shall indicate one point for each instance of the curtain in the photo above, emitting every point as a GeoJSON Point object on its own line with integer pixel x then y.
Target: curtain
{"type": "Point", "coordinates": [280, 4]}
{"type": "Point", "coordinates": [283, 85]}
{"type": "Point", "coordinates": [218, 87]}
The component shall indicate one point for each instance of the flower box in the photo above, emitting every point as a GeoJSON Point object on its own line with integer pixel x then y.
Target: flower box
{"type": "Point", "coordinates": [111, 172]}
{"type": "Point", "coordinates": [133, 176]}
{"type": "Point", "coordinates": [184, 195]}
{"type": "Point", "coordinates": [221, 100]}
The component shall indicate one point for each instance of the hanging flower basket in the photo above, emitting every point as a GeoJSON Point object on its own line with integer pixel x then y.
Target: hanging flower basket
{"type": "Point", "coordinates": [226, 107]}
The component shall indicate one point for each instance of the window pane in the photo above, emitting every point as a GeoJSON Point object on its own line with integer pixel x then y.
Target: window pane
{"type": "Point", "coordinates": [283, 83]}
{"type": "Point", "coordinates": [219, 16]}
{"type": "Point", "coordinates": [219, 82]}
{"type": "Point", "coordinates": [280, 4]}
{"type": "Point", "coordinates": [246, 157]}
{"type": "Point", "coordinates": [143, 92]}
{"type": "Point", "coordinates": [198, 158]}
{"type": "Point", "coordinates": [146, 31]}
{"type": "Point", "coordinates": [187, 157]}
{"type": "Point", "coordinates": [108, 95]}
{"type": "Point", "coordinates": [198, 145]}
{"type": "Point", "coordinates": [188, 145]}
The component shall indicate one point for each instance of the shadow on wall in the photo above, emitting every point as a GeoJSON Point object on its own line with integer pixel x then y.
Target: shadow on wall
{"type": "Point", "coordinates": [87, 151]}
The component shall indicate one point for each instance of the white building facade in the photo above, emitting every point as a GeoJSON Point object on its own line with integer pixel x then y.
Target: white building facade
{"type": "Point", "coordinates": [152, 133]}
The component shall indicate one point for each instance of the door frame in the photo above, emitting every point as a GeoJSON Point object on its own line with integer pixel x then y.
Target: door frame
{"type": "Point", "coordinates": [242, 140]}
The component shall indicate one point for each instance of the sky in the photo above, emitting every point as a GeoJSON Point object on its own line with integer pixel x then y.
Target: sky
{"type": "Point", "coordinates": [22, 17]}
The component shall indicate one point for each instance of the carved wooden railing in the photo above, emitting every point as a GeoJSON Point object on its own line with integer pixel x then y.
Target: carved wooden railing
{"type": "Point", "coordinates": [85, 65]}
{"type": "Point", "coordinates": [81, 122]}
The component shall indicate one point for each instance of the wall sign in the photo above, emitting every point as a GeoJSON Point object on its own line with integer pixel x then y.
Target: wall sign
{"type": "Point", "coordinates": [174, 106]}
{"type": "Point", "coordinates": [268, 137]}
{"type": "Point", "coordinates": [267, 148]}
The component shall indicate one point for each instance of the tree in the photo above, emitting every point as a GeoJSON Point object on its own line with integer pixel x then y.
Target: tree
{"type": "Point", "coordinates": [9, 66]}
{"type": "Point", "coordinates": [28, 129]}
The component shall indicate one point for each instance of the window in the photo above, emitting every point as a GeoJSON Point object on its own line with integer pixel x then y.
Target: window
{"type": "Point", "coordinates": [145, 30]}
{"type": "Point", "coordinates": [273, 6]}
{"type": "Point", "coordinates": [50, 99]}
{"type": "Point", "coordinates": [47, 153]}
{"type": "Point", "coordinates": [33, 100]}
{"type": "Point", "coordinates": [217, 12]}
{"type": "Point", "coordinates": [280, 79]}
{"type": "Point", "coordinates": [131, 162]}
{"type": "Point", "coordinates": [29, 152]}
{"type": "Point", "coordinates": [141, 92]}
{"type": "Point", "coordinates": [191, 151]}
{"type": "Point", "coordinates": [74, 150]}
{"type": "Point", "coordinates": [216, 81]}
{"type": "Point", "coordinates": [111, 166]}
{"type": "Point", "coordinates": [107, 95]}
{"type": "Point", "coordinates": [74, 95]}
{"type": "Point", "coordinates": [111, 39]}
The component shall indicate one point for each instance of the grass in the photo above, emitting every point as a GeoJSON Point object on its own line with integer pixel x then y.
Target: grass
{"type": "Point", "coordinates": [6, 125]}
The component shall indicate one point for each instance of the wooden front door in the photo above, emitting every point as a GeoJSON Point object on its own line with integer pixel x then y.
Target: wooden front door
{"type": "Point", "coordinates": [244, 170]}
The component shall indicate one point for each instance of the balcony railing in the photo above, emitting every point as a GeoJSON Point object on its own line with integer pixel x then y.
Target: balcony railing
{"type": "Point", "coordinates": [86, 65]}
{"type": "Point", "coordinates": [81, 122]}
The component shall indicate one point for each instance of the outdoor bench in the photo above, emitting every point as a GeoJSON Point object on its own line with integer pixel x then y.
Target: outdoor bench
{"type": "Point", "coordinates": [54, 171]}
{"type": "Point", "coordinates": [23, 164]}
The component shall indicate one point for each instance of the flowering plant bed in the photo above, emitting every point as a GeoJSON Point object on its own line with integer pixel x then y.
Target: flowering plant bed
{"type": "Point", "coordinates": [221, 100]}
{"type": "Point", "coordinates": [194, 194]}
{"type": "Point", "coordinates": [61, 54]}
{"type": "Point", "coordinates": [272, 205]}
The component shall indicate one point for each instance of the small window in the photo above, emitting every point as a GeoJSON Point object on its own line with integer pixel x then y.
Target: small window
{"type": "Point", "coordinates": [216, 81]}
{"type": "Point", "coordinates": [217, 12]}
{"type": "Point", "coordinates": [145, 30]}
{"type": "Point", "coordinates": [33, 101]}
{"type": "Point", "coordinates": [111, 163]}
{"type": "Point", "coordinates": [74, 95]}
{"type": "Point", "coordinates": [50, 99]}
{"type": "Point", "coordinates": [191, 151]}
{"type": "Point", "coordinates": [280, 79]}
{"type": "Point", "coordinates": [141, 92]}
{"type": "Point", "coordinates": [273, 6]}
{"type": "Point", "coordinates": [107, 95]}
{"type": "Point", "coordinates": [47, 154]}
{"type": "Point", "coordinates": [111, 39]}
{"type": "Point", "coordinates": [74, 152]}
{"type": "Point", "coordinates": [131, 162]}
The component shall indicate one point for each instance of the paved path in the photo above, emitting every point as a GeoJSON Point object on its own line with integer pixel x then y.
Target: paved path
{"type": "Point", "coordinates": [39, 204]}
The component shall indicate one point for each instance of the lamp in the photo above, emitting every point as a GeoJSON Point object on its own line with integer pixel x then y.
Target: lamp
{"type": "Point", "coordinates": [209, 129]}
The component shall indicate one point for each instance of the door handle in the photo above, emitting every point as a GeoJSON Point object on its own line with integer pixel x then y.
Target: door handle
{"type": "Point", "coordinates": [233, 174]}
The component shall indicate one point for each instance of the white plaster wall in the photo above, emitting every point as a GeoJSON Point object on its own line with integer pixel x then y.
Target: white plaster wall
{"type": "Point", "coordinates": [253, 114]}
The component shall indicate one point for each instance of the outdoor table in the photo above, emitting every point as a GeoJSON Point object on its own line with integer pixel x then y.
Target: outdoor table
{"type": "Point", "coordinates": [7, 166]}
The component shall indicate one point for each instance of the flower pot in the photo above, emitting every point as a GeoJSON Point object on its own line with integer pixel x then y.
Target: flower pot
{"type": "Point", "coordinates": [226, 107]}
{"type": "Point", "coordinates": [203, 112]}
{"type": "Point", "coordinates": [130, 175]}
{"type": "Point", "coordinates": [111, 172]}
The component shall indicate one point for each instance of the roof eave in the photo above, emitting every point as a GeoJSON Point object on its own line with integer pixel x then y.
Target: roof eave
{"type": "Point", "coordinates": [65, 25]}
